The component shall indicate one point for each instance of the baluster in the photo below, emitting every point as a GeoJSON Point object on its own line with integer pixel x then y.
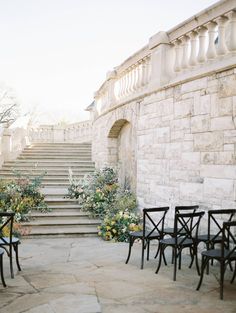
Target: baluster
{"type": "Point", "coordinates": [134, 78]}
{"type": "Point", "coordinates": [129, 81]}
{"type": "Point", "coordinates": [123, 85]}
{"type": "Point", "coordinates": [232, 29]}
{"type": "Point", "coordinates": [185, 44]}
{"type": "Point", "coordinates": [143, 71]}
{"type": "Point", "coordinates": [202, 45]}
{"type": "Point", "coordinates": [178, 53]}
{"type": "Point", "coordinates": [119, 93]}
{"type": "Point", "coordinates": [193, 48]}
{"type": "Point", "coordinates": [139, 75]}
{"type": "Point", "coordinates": [211, 51]}
{"type": "Point", "coordinates": [221, 48]}
{"type": "Point", "coordinates": [148, 67]}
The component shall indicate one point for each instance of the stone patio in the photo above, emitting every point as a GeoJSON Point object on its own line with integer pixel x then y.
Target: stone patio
{"type": "Point", "coordinates": [88, 275]}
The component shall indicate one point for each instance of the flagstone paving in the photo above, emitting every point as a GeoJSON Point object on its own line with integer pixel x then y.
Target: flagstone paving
{"type": "Point", "coordinates": [88, 275]}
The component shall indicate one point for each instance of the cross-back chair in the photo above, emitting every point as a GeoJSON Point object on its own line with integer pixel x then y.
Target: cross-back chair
{"type": "Point", "coordinates": [215, 227]}
{"type": "Point", "coordinates": [225, 255]}
{"type": "Point", "coordinates": [153, 227]}
{"type": "Point", "coordinates": [9, 242]}
{"type": "Point", "coordinates": [186, 227]}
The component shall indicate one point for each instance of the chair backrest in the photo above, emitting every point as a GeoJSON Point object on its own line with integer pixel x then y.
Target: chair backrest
{"type": "Point", "coordinates": [153, 220]}
{"type": "Point", "coordinates": [216, 218]}
{"type": "Point", "coordinates": [229, 239]}
{"type": "Point", "coordinates": [186, 225]}
{"type": "Point", "coordinates": [187, 208]}
{"type": "Point", "coordinates": [6, 226]}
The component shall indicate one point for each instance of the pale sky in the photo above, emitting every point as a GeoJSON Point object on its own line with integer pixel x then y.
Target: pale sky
{"type": "Point", "coordinates": [55, 53]}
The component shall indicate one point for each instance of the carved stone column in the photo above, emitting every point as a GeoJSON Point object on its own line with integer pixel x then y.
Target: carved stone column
{"type": "Point", "coordinates": [193, 48]}
{"type": "Point", "coordinates": [202, 45]}
{"type": "Point", "coordinates": [221, 48]}
{"type": "Point", "coordinates": [185, 44]}
{"type": "Point", "coordinates": [178, 54]}
{"type": "Point", "coordinates": [232, 29]}
{"type": "Point", "coordinates": [211, 51]}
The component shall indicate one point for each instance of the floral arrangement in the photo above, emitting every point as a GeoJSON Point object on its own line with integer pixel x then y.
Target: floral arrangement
{"type": "Point", "coordinates": [117, 227]}
{"type": "Point", "coordinates": [21, 195]}
{"type": "Point", "coordinates": [101, 196]}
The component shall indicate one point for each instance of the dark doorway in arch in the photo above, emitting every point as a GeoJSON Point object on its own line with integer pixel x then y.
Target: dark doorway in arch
{"type": "Point", "coordinates": [124, 136]}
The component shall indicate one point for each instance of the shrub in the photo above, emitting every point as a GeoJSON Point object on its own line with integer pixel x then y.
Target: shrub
{"type": "Point", "coordinates": [101, 196]}
{"type": "Point", "coordinates": [21, 195]}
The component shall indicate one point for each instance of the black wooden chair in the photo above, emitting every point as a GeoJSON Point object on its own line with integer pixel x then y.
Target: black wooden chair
{"type": "Point", "coordinates": [153, 225]}
{"type": "Point", "coordinates": [169, 231]}
{"type": "Point", "coordinates": [186, 226]}
{"type": "Point", "coordinates": [224, 255]}
{"type": "Point", "coordinates": [9, 243]}
{"type": "Point", "coordinates": [215, 227]}
{"type": "Point", "coordinates": [180, 209]}
{"type": "Point", "coordinates": [1, 267]}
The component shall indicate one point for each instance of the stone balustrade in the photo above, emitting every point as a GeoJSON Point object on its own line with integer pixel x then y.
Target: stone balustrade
{"type": "Point", "coordinates": [203, 43]}
{"type": "Point", "coordinates": [77, 132]}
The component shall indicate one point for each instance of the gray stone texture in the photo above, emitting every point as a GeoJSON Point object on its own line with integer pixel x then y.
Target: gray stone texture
{"type": "Point", "coordinates": [88, 275]}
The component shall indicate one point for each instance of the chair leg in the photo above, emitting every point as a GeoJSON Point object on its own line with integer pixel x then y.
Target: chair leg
{"type": "Point", "coordinates": [1, 269]}
{"type": "Point", "coordinates": [161, 253]}
{"type": "Point", "coordinates": [192, 257]}
{"type": "Point", "coordinates": [180, 259]}
{"type": "Point", "coordinates": [203, 265]}
{"type": "Point", "coordinates": [143, 248]}
{"type": "Point", "coordinates": [17, 256]}
{"type": "Point", "coordinates": [222, 272]}
{"type": "Point", "coordinates": [11, 261]}
{"type": "Point", "coordinates": [234, 275]}
{"type": "Point", "coordinates": [196, 260]}
{"type": "Point", "coordinates": [131, 241]}
{"type": "Point", "coordinates": [148, 249]}
{"type": "Point", "coordinates": [175, 263]}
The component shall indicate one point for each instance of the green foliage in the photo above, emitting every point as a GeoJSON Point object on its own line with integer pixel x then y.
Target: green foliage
{"type": "Point", "coordinates": [95, 192]}
{"type": "Point", "coordinates": [21, 195]}
{"type": "Point", "coordinates": [101, 196]}
{"type": "Point", "coordinates": [117, 226]}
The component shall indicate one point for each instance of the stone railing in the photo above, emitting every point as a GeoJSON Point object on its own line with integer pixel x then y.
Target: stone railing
{"type": "Point", "coordinates": [203, 44]}
{"type": "Point", "coordinates": [77, 132]}
{"type": "Point", "coordinates": [12, 142]}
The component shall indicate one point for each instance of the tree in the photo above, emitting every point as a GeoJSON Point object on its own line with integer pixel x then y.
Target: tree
{"type": "Point", "coordinates": [9, 108]}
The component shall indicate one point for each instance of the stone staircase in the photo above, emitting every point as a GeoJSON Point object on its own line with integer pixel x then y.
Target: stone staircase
{"type": "Point", "coordinates": [66, 217]}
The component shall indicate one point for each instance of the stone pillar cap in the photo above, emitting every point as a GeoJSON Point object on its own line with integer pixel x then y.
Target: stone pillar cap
{"type": "Point", "coordinates": [158, 39]}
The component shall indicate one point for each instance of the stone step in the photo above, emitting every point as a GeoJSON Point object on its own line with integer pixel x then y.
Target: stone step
{"type": "Point", "coordinates": [63, 213]}
{"type": "Point", "coordinates": [66, 217]}
{"type": "Point", "coordinates": [61, 222]}
{"type": "Point", "coordinates": [39, 158]}
{"type": "Point", "coordinates": [44, 163]}
{"type": "Point", "coordinates": [60, 230]}
{"type": "Point", "coordinates": [62, 144]}
{"type": "Point", "coordinates": [54, 152]}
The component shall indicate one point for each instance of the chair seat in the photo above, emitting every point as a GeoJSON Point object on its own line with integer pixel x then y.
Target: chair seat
{"type": "Point", "coordinates": [170, 231]}
{"type": "Point", "coordinates": [139, 234]}
{"type": "Point", "coordinates": [6, 240]}
{"type": "Point", "coordinates": [205, 238]}
{"type": "Point", "coordinates": [1, 251]}
{"type": "Point", "coordinates": [216, 254]}
{"type": "Point", "coordinates": [171, 241]}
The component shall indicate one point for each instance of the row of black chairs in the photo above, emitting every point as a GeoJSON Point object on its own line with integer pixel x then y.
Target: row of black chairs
{"type": "Point", "coordinates": [185, 234]}
{"type": "Point", "coordinates": [8, 243]}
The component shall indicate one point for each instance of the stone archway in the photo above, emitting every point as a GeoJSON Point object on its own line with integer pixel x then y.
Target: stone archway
{"type": "Point", "coordinates": [123, 146]}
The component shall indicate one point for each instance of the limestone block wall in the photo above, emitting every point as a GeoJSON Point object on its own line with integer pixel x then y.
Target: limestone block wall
{"type": "Point", "coordinates": [186, 141]}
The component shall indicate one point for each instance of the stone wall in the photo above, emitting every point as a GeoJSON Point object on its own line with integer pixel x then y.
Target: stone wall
{"type": "Point", "coordinates": [167, 115]}
{"type": "Point", "coordinates": [184, 146]}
